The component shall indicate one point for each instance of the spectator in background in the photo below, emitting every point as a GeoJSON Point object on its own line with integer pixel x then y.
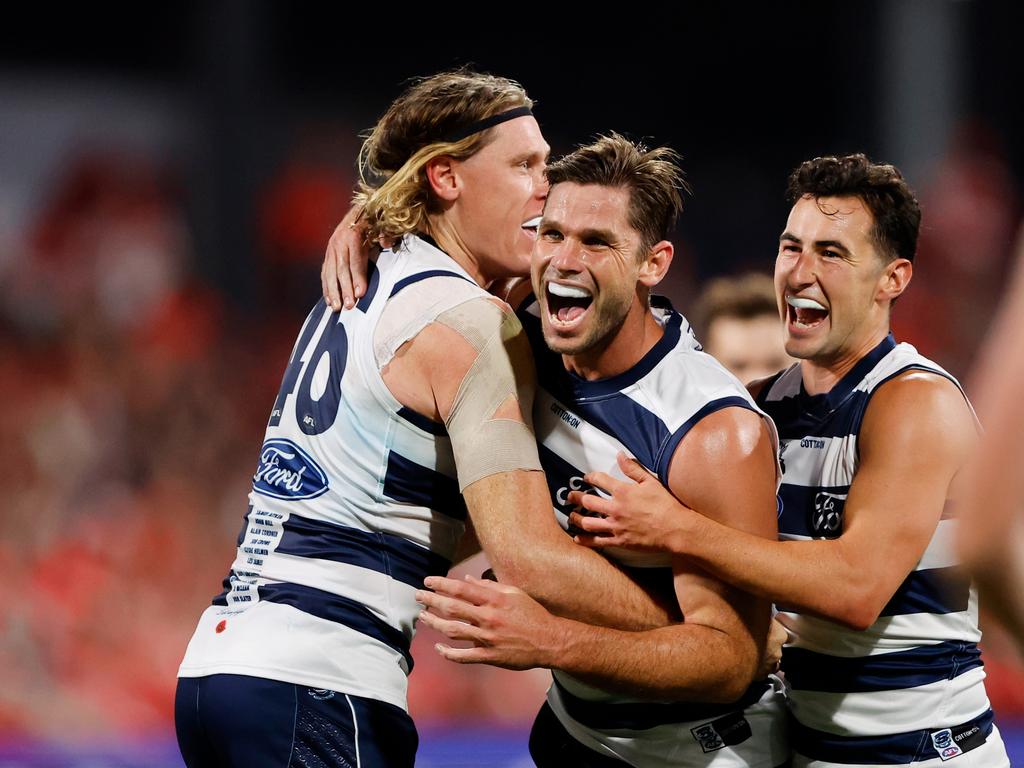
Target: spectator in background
{"type": "Point", "coordinates": [737, 321]}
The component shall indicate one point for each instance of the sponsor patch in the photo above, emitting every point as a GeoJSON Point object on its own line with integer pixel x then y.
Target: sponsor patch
{"type": "Point", "coordinates": [287, 472]}
{"type": "Point", "coordinates": [706, 736]}
{"type": "Point", "coordinates": [726, 731]}
{"type": "Point", "coordinates": [827, 517]}
{"type": "Point", "coordinates": [952, 742]}
{"type": "Point", "coordinates": [943, 743]}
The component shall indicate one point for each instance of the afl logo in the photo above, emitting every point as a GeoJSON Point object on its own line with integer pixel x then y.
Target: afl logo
{"type": "Point", "coordinates": [943, 743]}
{"type": "Point", "coordinates": [827, 518]}
{"type": "Point", "coordinates": [287, 472]}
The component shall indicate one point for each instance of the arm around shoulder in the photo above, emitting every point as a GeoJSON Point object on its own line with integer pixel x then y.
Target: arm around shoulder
{"type": "Point", "coordinates": [481, 379]}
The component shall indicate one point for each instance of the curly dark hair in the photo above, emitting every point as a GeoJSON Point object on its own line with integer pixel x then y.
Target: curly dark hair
{"type": "Point", "coordinates": [881, 187]}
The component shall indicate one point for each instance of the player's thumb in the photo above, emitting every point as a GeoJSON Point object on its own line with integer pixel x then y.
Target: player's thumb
{"type": "Point", "coordinates": [632, 468]}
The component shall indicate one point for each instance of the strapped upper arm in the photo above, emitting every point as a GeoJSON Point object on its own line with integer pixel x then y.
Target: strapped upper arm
{"type": "Point", "coordinates": [489, 417]}
{"type": "Point", "coordinates": [725, 468]}
{"type": "Point", "coordinates": [472, 369]}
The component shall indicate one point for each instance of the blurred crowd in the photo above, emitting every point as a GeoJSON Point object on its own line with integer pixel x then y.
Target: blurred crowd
{"type": "Point", "coordinates": [135, 401]}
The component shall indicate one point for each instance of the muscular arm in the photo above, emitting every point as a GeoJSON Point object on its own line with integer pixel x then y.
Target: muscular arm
{"type": "Point", "coordinates": [511, 510]}
{"type": "Point", "coordinates": [726, 466]}
{"type": "Point", "coordinates": [916, 435]}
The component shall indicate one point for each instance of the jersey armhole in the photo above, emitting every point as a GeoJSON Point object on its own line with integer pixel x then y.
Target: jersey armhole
{"type": "Point", "coordinates": [668, 450]}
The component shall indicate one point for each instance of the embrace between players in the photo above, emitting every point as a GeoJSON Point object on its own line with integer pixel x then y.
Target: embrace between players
{"type": "Point", "coordinates": [428, 402]}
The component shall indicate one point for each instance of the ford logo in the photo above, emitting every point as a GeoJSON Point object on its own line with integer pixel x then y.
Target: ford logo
{"type": "Point", "coordinates": [287, 472]}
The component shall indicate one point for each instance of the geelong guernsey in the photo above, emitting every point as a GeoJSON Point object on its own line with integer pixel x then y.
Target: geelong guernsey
{"type": "Point", "coordinates": [354, 502]}
{"type": "Point", "coordinates": [910, 687]}
{"type": "Point", "coordinates": [645, 412]}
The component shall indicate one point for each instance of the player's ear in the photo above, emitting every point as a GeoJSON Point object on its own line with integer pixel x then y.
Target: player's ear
{"type": "Point", "coordinates": [656, 263]}
{"type": "Point", "coordinates": [895, 278]}
{"type": "Point", "coordinates": [443, 178]}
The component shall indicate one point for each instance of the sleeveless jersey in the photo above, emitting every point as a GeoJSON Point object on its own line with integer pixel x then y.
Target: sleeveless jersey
{"type": "Point", "coordinates": [646, 411]}
{"type": "Point", "coordinates": [910, 687]}
{"type": "Point", "coordinates": [354, 502]}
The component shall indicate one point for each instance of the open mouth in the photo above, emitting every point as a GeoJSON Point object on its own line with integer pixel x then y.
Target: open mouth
{"type": "Point", "coordinates": [567, 303]}
{"type": "Point", "coordinates": [530, 227]}
{"type": "Point", "coordinates": [805, 313]}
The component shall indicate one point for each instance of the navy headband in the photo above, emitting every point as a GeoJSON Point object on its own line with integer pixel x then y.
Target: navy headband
{"type": "Point", "coordinates": [487, 122]}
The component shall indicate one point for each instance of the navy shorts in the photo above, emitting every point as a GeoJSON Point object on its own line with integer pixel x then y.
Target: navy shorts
{"type": "Point", "coordinates": [235, 721]}
{"type": "Point", "coordinates": [551, 746]}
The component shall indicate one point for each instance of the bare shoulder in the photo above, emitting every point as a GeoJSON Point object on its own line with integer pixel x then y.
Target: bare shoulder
{"type": "Point", "coordinates": [727, 434]}
{"type": "Point", "coordinates": [726, 468]}
{"type": "Point", "coordinates": [920, 411]}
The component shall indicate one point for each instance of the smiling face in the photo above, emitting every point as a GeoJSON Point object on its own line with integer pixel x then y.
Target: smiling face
{"type": "Point", "coordinates": [502, 197]}
{"type": "Point", "coordinates": [586, 266]}
{"type": "Point", "coordinates": [834, 287]}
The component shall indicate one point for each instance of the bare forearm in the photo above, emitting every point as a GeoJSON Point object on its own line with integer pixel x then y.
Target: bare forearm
{"type": "Point", "coordinates": [577, 583]}
{"type": "Point", "coordinates": [682, 662]}
{"type": "Point", "coordinates": [528, 550]}
{"type": "Point", "coordinates": [789, 573]}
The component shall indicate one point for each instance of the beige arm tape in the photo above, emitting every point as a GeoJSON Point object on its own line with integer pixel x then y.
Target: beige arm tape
{"type": "Point", "coordinates": [503, 369]}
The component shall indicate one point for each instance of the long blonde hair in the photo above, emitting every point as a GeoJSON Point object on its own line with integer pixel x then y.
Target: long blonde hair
{"type": "Point", "coordinates": [393, 188]}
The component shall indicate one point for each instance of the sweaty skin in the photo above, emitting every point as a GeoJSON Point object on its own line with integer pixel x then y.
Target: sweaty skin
{"type": "Point", "coordinates": [712, 656]}
{"type": "Point", "coordinates": [917, 434]}
{"type": "Point", "coordinates": [725, 466]}
{"type": "Point", "coordinates": [906, 463]}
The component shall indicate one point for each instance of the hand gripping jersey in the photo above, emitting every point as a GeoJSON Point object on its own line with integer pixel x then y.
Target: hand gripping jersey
{"type": "Point", "coordinates": [909, 689]}
{"type": "Point", "coordinates": [646, 412]}
{"type": "Point", "coordinates": [354, 502]}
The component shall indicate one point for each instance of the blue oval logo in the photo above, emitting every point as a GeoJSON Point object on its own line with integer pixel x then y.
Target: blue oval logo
{"type": "Point", "coordinates": [287, 472]}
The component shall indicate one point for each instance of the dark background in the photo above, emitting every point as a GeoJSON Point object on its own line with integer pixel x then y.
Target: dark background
{"type": "Point", "coordinates": [744, 93]}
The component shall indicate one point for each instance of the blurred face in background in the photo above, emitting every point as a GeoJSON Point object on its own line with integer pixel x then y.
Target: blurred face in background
{"type": "Point", "coordinates": [751, 348]}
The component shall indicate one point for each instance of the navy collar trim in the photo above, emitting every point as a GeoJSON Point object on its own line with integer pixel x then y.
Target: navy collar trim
{"type": "Point", "coordinates": [613, 385]}
{"type": "Point", "coordinates": [828, 402]}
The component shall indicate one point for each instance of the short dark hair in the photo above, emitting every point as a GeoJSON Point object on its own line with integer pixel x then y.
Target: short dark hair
{"type": "Point", "coordinates": [745, 297]}
{"type": "Point", "coordinates": [652, 176]}
{"type": "Point", "coordinates": [882, 189]}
